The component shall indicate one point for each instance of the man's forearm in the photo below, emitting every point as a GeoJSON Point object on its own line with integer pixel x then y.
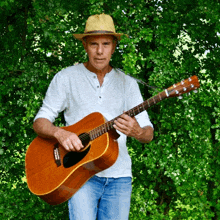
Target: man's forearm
{"type": "Point", "coordinates": [44, 128]}
{"type": "Point", "coordinates": [145, 135]}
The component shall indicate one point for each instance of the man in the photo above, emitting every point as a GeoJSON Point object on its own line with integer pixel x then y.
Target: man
{"type": "Point", "coordinates": [89, 87]}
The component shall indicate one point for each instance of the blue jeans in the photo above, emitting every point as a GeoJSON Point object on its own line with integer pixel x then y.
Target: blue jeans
{"type": "Point", "coordinates": [102, 199]}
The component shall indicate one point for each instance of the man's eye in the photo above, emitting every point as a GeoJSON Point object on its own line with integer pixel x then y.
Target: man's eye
{"type": "Point", "coordinates": [93, 44]}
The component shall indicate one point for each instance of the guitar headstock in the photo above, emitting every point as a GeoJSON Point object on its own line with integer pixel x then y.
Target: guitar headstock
{"type": "Point", "coordinates": [187, 85]}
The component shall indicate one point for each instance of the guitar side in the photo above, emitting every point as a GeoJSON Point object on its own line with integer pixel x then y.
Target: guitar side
{"type": "Point", "coordinates": [54, 182]}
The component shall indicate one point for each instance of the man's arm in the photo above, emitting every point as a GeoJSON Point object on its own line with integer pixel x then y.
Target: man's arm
{"type": "Point", "coordinates": [70, 141]}
{"type": "Point", "coordinates": [130, 127]}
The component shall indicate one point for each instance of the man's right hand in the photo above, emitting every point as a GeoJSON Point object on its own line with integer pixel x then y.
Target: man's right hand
{"type": "Point", "coordinates": [70, 141]}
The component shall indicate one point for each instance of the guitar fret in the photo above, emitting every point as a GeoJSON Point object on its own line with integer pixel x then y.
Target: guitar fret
{"type": "Point", "coordinates": [90, 135]}
{"type": "Point", "coordinates": [137, 111]}
{"type": "Point", "coordinates": [131, 113]}
{"type": "Point", "coordinates": [156, 99]}
{"type": "Point", "coordinates": [95, 133]}
{"type": "Point", "coordinates": [110, 124]}
{"type": "Point", "coordinates": [160, 96]}
{"type": "Point", "coordinates": [100, 131]}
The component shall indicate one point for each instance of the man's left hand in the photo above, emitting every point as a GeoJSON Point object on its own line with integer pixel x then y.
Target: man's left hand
{"type": "Point", "coordinates": [128, 125]}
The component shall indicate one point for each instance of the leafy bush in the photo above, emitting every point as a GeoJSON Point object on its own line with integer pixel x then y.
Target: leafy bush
{"type": "Point", "coordinates": [177, 175]}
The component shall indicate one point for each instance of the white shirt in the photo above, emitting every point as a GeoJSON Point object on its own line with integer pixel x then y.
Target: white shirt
{"type": "Point", "coordinates": [76, 91]}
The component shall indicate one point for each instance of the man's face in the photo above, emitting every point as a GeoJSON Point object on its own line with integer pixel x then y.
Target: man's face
{"type": "Point", "coordinates": [99, 50]}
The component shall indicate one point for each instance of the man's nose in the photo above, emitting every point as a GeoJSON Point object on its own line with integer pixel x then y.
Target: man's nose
{"type": "Point", "coordinates": [100, 49]}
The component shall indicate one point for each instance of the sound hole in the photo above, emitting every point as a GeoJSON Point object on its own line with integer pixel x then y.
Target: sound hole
{"type": "Point", "coordinates": [72, 158]}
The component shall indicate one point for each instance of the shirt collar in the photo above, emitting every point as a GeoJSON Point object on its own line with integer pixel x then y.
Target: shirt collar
{"type": "Point", "coordinates": [92, 75]}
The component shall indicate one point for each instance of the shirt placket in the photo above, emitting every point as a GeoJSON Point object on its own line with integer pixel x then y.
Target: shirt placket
{"type": "Point", "coordinates": [98, 90]}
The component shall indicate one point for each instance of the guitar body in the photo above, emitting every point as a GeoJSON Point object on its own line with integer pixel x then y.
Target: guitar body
{"type": "Point", "coordinates": [55, 175]}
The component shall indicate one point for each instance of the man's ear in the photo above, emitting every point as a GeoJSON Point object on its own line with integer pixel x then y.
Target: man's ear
{"type": "Point", "coordinates": [84, 44]}
{"type": "Point", "coordinates": [114, 46]}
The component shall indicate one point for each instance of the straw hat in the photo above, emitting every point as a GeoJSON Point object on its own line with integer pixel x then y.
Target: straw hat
{"type": "Point", "coordinates": [99, 25]}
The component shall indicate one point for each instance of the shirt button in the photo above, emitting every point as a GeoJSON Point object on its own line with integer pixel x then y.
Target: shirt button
{"type": "Point", "coordinates": [94, 77]}
{"type": "Point", "coordinates": [97, 86]}
{"type": "Point", "coordinates": [100, 97]}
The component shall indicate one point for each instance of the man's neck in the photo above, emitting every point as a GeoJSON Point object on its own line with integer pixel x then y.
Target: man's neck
{"type": "Point", "coordinates": [100, 73]}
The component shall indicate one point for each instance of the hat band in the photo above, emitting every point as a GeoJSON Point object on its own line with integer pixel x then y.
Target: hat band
{"type": "Point", "coordinates": [99, 32]}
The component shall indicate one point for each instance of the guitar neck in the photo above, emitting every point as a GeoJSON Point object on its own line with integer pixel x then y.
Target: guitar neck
{"type": "Point", "coordinates": [95, 133]}
{"type": "Point", "coordinates": [187, 85]}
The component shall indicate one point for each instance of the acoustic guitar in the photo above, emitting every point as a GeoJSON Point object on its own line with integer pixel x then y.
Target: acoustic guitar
{"type": "Point", "coordinates": [55, 174]}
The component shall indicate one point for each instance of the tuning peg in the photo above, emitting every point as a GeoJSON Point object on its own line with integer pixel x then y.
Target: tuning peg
{"type": "Point", "coordinates": [180, 97]}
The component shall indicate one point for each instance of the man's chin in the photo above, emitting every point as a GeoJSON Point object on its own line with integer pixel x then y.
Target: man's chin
{"type": "Point", "coordinates": [100, 67]}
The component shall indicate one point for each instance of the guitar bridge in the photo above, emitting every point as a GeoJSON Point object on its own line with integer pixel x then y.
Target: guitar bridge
{"type": "Point", "coordinates": [56, 153]}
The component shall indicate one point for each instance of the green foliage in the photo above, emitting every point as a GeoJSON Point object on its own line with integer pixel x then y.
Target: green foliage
{"type": "Point", "coordinates": [177, 175]}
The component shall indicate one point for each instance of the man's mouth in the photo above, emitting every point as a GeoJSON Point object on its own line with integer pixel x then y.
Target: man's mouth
{"type": "Point", "coordinates": [99, 59]}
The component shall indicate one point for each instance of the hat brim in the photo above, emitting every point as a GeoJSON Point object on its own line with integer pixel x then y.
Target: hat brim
{"type": "Point", "coordinates": [81, 36]}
